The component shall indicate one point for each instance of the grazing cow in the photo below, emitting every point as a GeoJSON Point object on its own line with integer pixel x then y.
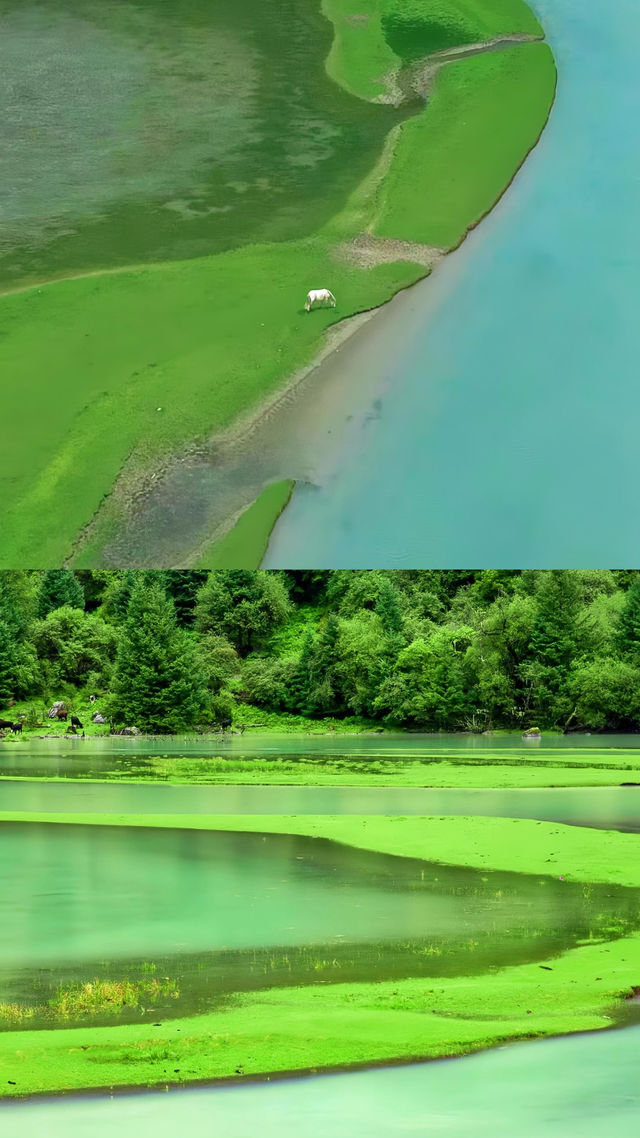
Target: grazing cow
{"type": "Point", "coordinates": [75, 722]}
{"type": "Point", "coordinates": [16, 728]}
{"type": "Point", "coordinates": [6, 723]}
{"type": "Point", "coordinates": [319, 296]}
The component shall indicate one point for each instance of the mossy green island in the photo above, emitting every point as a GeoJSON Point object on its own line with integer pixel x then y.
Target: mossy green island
{"type": "Point", "coordinates": [154, 282]}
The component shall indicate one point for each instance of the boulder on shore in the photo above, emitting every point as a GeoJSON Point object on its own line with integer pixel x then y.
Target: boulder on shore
{"type": "Point", "coordinates": [58, 710]}
{"type": "Point", "coordinates": [98, 718]}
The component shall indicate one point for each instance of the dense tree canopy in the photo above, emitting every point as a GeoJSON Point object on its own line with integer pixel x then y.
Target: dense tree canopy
{"type": "Point", "coordinates": [423, 649]}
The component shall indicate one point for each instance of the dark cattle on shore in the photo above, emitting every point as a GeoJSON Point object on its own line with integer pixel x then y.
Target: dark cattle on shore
{"type": "Point", "coordinates": [75, 722]}
{"type": "Point", "coordinates": [15, 727]}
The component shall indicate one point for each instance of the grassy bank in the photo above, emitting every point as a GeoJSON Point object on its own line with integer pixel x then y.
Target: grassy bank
{"type": "Point", "coordinates": [244, 546]}
{"type": "Point", "coordinates": [201, 342]}
{"type": "Point", "coordinates": [318, 1027]}
{"type": "Point", "coordinates": [374, 40]}
{"type": "Point", "coordinates": [484, 115]}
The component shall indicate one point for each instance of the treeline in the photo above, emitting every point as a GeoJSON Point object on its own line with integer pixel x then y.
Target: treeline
{"type": "Point", "coordinates": [421, 649]}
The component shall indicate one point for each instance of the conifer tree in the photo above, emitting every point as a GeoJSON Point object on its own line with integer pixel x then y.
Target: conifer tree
{"type": "Point", "coordinates": [59, 587]}
{"type": "Point", "coordinates": [388, 609]}
{"type": "Point", "coordinates": [182, 586]}
{"type": "Point", "coordinates": [554, 640]}
{"type": "Point", "coordinates": [299, 684]}
{"type": "Point", "coordinates": [628, 631]}
{"type": "Point", "coordinates": [158, 685]}
{"type": "Point", "coordinates": [8, 662]}
{"type": "Point", "coordinates": [324, 685]}
{"type": "Point", "coordinates": [554, 637]}
{"type": "Point", "coordinates": [118, 594]}
{"type": "Point", "coordinates": [19, 671]}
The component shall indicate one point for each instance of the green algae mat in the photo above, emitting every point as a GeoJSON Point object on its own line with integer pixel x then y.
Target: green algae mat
{"type": "Point", "coordinates": [201, 760]}
{"type": "Point", "coordinates": [197, 168]}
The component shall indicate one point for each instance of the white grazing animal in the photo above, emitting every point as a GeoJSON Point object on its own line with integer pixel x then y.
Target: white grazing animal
{"type": "Point", "coordinates": [319, 296]}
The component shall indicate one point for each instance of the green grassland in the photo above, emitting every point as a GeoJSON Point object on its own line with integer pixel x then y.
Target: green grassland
{"type": "Point", "coordinates": [311, 1028]}
{"type": "Point", "coordinates": [494, 772]}
{"type": "Point", "coordinates": [135, 364]}
{"type": "Point", "coordinates": [202, 340]}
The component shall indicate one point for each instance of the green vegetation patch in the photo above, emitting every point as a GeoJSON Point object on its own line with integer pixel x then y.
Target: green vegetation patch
{"type": "Point", "coordinates": [338, 1025]}
{"type": "Point", "coordinates": [170, 129]}
{"type": "Point", "coordinates": [244, 546]}
{"type": "Point", "coordinates": [498, 770]}
{"type": "Point", "coordinates": [455, 158]}
{"type": "Point", "coordinates": [375, 772]}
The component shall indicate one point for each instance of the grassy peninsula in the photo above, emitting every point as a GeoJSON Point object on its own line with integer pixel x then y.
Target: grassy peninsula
{"type": "Point", "coordinates": [151, 353]}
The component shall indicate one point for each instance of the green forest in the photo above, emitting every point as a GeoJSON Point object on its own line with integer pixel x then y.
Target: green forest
{"type": "Point", "coordinates": [423, 650]}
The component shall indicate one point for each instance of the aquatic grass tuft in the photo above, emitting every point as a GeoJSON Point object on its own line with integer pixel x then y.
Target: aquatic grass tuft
{"type": "Point", "coordinates": [91, 998]}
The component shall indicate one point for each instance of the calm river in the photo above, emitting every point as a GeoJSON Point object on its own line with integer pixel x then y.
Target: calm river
{"type": "Point", "coordinates": [507, 430]}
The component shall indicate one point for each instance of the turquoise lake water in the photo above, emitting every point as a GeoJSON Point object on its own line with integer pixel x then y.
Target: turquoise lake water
{"type": "Point", "coordinates": [602, 807]}
{"type": "Point", "coordinates": [507, 434]}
